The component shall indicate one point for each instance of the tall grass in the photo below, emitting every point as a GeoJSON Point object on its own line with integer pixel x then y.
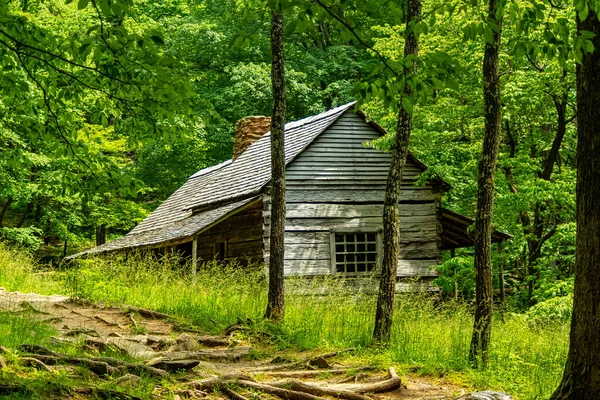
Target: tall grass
{"type": "Point", "coordinates": [428, 336]}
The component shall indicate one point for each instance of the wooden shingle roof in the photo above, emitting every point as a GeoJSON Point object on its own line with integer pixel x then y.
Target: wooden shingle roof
{"type": "Point", "coordinates": [220, 189]}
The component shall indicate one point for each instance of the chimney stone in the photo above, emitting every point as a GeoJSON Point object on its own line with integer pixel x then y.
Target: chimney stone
{"type": "Point", "coordinates": [247, 131]}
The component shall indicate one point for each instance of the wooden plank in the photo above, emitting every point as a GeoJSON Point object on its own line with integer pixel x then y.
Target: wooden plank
{"type": "Point", "coordinates": [409, 268]}
{"type": "Point", "coordinates": [317, 251]}
{"type": "Point", "coordinates": [304, 267]}
{"type": "Point", "coordinates": [347, 152]}
{"type": "Point", "coordinates": [333, 210]}
{"type": "Point", "coordinates": [309, 159]}
{"type": "Point", "coordinates": [322, 251]}
{"type": "Point", "coordinates": [232, 236]}
{"type": "Point", "coordinates": [417, 223]}
{"type": "Point", "coordinates": [350, 196]}
{"type": "Point", "coordinates": [326, 167]}
{"type": "Point", "coordinates": [406, 238]}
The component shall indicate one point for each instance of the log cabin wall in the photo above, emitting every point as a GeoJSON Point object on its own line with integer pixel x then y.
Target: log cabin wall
{"type": "Point", "coordinates": [339, 184]}
{"type": "Point", "coordinates": [240, 235]}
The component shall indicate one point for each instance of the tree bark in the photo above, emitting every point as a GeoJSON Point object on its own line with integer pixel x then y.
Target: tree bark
{"type": "Point", "coordinates": [482, 325]}
{"type": "Point", "coordinates": [100, 235]}
{"type": "Point", "coordinates": [275, 302]}
{"type": "Point", "coordinates": [391, 219]}
{"type": "Point", "coordinates": [581, 378]}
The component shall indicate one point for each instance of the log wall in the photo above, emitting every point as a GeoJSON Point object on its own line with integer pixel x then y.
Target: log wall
{"type": "Point", "coordinates": [242, 232]}
{"type": "Point", "coordinates": [339, 184]}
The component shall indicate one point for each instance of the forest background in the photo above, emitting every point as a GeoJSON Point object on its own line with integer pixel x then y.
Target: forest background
{"type": "Point", "coordinates": [107, 107]}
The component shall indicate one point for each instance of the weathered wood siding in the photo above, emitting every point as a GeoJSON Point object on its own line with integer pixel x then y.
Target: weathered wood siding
{"type": "Point", "coordinates": [242, 232]}
{"type": "Point", "coordinates": [338, 183]}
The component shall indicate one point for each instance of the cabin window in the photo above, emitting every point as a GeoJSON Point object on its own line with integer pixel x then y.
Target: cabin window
{"type": "Point", "coordinates": [221, 251]}
{"type": "Point", "coordinates": [354, 252]}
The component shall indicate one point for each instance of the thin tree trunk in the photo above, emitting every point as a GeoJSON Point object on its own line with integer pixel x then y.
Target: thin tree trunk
{"type": "Point", "coordinates": [275, 303]}
{"type": "Point", "coordinates": [100, 235]}
{"type": "Point", "coordinates": [5, 210]}
{"type": "Point", "coordinates": [581, 378]}
{"type": "Point", "coordinates": [391, 219]}
{"type": "Point", "coordinates": [484, 305]}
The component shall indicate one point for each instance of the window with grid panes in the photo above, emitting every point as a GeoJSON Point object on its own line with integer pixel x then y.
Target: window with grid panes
{"type": "Point", "coordinates": [355, 252]}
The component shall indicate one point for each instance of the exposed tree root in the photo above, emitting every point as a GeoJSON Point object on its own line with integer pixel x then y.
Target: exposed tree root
{"type": "Point", "coordinates": [149, 313]}
{"type": "Point", "coordinates": [319, 390]}
{"type": "Point", "coordinates": [101, 366]}
{"type": "Point", "coordinates": [215, 341]}
{"type": "Point", "coordinates": [313, 373]}
{"type": "Point", "coordinates": [234, 328]}
{"type": "Point", "coordinates": [391, 383]}
{"type": "Point", "coordinates": [34, 362]}
{"type": "Point", "coordinates": [285, 394]}
{"type": "Point", "coordinates": [105, 393]}
{"type": "Point", "coordinates": [209, 384]}
{"type": "Point", "coordinates": [233, 395]}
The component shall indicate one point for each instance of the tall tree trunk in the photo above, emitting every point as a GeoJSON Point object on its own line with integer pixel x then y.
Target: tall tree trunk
{"type": "Point", "coordinates": [391, 219]}
{"type": "Point", "coordinates": [482, 326]}
{"type": "Point", "coordinates": [5, 210]}
{"type": "Point", "coordinates": [581, 378]}
{"type": "Point", "coordinates": [275, 304]}
{"type": "Point", "coordinates": [100, 234]}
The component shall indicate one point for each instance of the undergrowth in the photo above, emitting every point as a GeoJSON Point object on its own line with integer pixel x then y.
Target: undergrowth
{"type": "Point", "coordinates": [429, 337]}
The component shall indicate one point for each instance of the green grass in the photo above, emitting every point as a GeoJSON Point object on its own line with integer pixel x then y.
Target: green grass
{"type": "Point", "coordinates": [428, 337]}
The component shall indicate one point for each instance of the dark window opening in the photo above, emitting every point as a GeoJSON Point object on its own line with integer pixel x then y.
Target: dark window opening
{"type": "Point", "coordinates": [355, 252]}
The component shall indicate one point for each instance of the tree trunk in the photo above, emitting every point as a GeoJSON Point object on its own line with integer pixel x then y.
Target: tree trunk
{"type": "Point", "coordinates": [5, 210]}
{"type": "Point", "coordinates": [581, 378]}
{"type": "Point", "coordinates": [482, 326]}
{"type": "Point", "coordinates": [275, 303]}
{"type": "Point", "coordinates": [391, 219]}
{"type": "Point", "coordinates": [100, 235]}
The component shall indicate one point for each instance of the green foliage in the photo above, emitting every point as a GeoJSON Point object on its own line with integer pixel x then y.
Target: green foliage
{"type": "Point", "coordinates": [23, 238]}
{"type": "Point", "coordinates": [457, 275]}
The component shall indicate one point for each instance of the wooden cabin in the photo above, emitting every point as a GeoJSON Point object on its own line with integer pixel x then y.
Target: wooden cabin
{"type": "Point", "coordinates": [335, 187]}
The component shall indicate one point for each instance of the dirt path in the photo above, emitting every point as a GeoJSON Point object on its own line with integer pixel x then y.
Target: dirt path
{"type": "Point", "coordinates": [159, 346]}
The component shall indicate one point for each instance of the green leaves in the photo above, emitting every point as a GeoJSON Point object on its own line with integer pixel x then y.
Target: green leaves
{"type": "Point", "coordinates": [81, 4]}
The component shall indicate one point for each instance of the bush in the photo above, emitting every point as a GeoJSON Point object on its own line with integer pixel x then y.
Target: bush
{"type": "Point", "coordinates": [27, 239]}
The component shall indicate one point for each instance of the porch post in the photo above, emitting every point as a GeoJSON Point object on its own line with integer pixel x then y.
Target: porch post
{"type": "Point", "coordinates": [194, 256]}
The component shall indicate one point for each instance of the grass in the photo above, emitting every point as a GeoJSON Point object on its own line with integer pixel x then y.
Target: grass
{"type": "Point", "coordinates": [428, 337]}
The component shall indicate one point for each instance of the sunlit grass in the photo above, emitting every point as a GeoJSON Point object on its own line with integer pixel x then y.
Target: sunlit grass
{"type": "Point", "coordinates": [429, 336]}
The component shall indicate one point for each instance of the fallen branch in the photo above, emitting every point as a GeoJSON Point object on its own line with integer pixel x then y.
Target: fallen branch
{"type": "Point", "coordinates": [285, 394]}
{"type": "Point", "coordinates": [391, 383]}
{"type": "Point", "coordinates": [319, 391]}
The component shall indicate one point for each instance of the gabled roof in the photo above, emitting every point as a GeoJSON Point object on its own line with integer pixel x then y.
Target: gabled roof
{"type": "Point", "coordinates": [220, 189]}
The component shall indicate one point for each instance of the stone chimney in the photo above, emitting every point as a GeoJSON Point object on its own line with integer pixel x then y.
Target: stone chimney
{"type": "Point", "coordinates": [247, 131]}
